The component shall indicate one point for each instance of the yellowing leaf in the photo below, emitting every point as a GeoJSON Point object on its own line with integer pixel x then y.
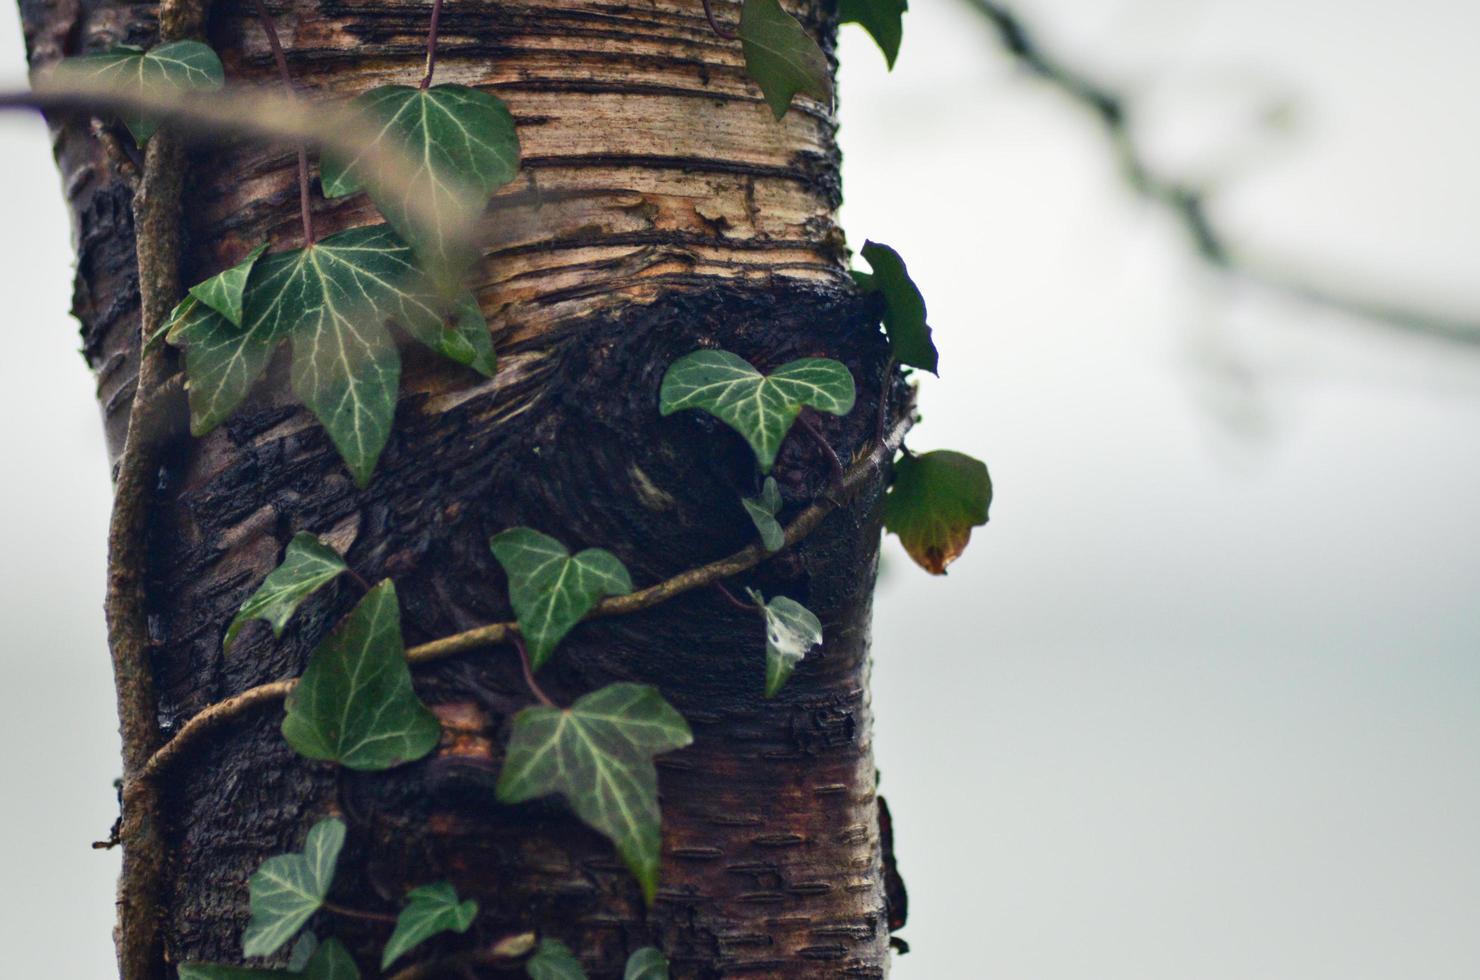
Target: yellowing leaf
{"type": "Point", "coordinates": [936, 499]}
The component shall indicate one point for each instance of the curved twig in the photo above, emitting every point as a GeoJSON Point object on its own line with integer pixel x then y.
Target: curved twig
{"type": "Point", "coordinates": [496, 633]}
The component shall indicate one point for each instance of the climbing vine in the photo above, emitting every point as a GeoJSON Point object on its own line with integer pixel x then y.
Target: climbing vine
{"type": "Point", "coordinates": [438, 150]}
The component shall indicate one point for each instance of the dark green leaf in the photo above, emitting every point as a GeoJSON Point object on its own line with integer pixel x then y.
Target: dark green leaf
{"type": "Point", "coordinates": [307, 566]}
{"type": "Point", "coordinates": [791, 631]}
{"type": "Point", "coordinates": [354, 704]}
{"type": "Point", "coordinates": [168, 71]}
{"type": "Point", "coordinates": [429, 910]}
{"type": "Point", "coordinates": [222, 361]}
{"type": "Point", "coordinates": [289, 888]}
{"type": "Point", "coordinates": [331, 961]}
{"type": "Point", "coordinates": [461, 336]}
{"type": "Point", "coordinates": [759, 407]}
{"type": "Point", "coordinates": [883, 19]}
{"type": "Point", "coordinates": [936, 500]}
{"type": "Point", "coordinates": [647, 963]}
{"type": "Point", "coordinates": [763, 511]}
{"type": "Point", "coordinates": [554, 961]}
{"type": "Point", "coordinates": [598, 754]}
{"type": "Point", "coordinates": [904, 308]}
{"type": "Point", "coordinates": [223, 292]}
{"type": "Point", "coordinates": [464, 141]}
{"type": "Point", "coordinates": [781, 56]}
{"type": "Point", "coordinates": [550, 589]}
{"type": "Point", "coordinates": [221, 971]}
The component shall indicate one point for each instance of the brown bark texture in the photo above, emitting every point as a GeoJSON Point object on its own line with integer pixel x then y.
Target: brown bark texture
{"type": "Point", "coordinates": [659, 208]}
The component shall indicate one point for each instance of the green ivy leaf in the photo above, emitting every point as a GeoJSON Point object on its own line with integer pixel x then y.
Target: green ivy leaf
{"type": "Point", "coordinates": [289, 888]}
{"type": "Point", "coordinates": [904, 307]}
{"type": "Point", "coordinates": [883, 19]}
{"type": "Point", "coordinates": [791, 631]}
{"type": "Point", "coordinates": [464, 140]}
{"type": "Point", "coordinates": [168, 70]}
{"type": "Point", "coordinates": [781, 56]}
{"type": "Point", "coordinates": [331, 961]}
{"type": "Point", "coordinates": [550, 589]}
{"type": "Point", "coordinates": [763, 510]}
{"type": "Point", "coordinates": [308, 565]}
{"type": "Point", "coordinates": [223, 292]}
{"type": "Point", "coordinates": [598, 754]}
{"type": "Point", "coordinates": [936, 500]}
{"type": "Point", "coordinates": [429, 910]}
{"type": "Point", "coordinates": [647, 963]}
{"type": "Point", "coordinates": [220, 971]}
{"type": "Point", "coordinates": [354, 704]}
{"type": "Point", "coordinates": [760, 407]}
{"type": "Point", "coordinates": [333, 300]}
{"type": "Point", "coordinates": [554, 961]}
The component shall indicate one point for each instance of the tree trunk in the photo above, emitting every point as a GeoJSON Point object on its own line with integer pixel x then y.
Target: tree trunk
{"type": "Point", "coordinates": [659, 208]}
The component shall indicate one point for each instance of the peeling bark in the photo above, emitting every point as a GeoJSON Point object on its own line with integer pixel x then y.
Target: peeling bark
{"type": "Point", "coordinates": [659, 208]}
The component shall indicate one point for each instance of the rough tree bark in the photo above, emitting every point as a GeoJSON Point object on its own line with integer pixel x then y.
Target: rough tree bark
{"type": "Point", "coordinates": [659, 208]}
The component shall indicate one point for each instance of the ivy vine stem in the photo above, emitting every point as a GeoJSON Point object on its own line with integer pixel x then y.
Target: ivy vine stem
{"type": "Point", "coordinates": [732, 599]}
{"type": "Point", "coordinates": [723, 32]}
{"type": "Point", "coordinates": [362, 914]}
{"type": "Point", "coordinates": [868, 467]}
{"type": "Point", "coordinates": [426, 79]}
{"type": "Point", "coordinates": [831, 454]}
{"type": "Point", "coordinates": [304, 201]}
{"type": "Point", "coordinates": [528, 669]}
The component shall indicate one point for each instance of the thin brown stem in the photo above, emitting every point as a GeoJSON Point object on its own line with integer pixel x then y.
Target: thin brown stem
{"type": "Point", "coordinates": [885, 385]}
{"type": "Point", "coordinates": [528, 668]}
{"type": "Point", "coordinates": [426, 80]}
{"type": "Point", "coordinates": [361, 914]}
{"type": "Point", "coordinates": [835, 464]}
{"type": "Point", "coordinates": [304, 202]}
{"type": "Point", "coordinates": [358, 579]}
{"type": "Point", "coordinates": [495, 633]}
{"type": "Point", "coordinates": [733, 599]}
{"type": "Point", "coordinates": [723, 32]}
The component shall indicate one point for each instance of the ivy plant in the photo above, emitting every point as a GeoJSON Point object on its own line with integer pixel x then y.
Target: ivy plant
{"type": "Point", "coordinates": [289, 888]}
{"type": "Point", "coordinates": [762, 510]}
{"type": "Point", "coordinates": [647, 963]}
{"type": "Point", "coordinates": [883, 19]}
{"type": "Point", "coordinates": [553, 960]}
{"type": "Point", "coordinates": [308, 565]}
{"type": "Point", "coordinates": [904, 307]}
{"type": "Point", "coordinates": [791, 631]}
{"type": "Point", "coordinates": [463, 141]}
{"type": "Point", "coordinates": [551, 589]}
{"type": "Point", "coordinates": [936, 499]}
{"type": "Point", "coordinates": [329, 960]}
{"type": "Point", "coordinates": [331, 299]}
{"type": "Point", "coordinates": [429, 910]}
{"type": "Point", "coordinates": [761, 407]}
{"type": "Point", "coordinates": [598, 754]}
{"type": "Point", "coordinates": [782, 57]}
{"type": "Point", "coordinates": [354, 704]}
{"type": "Point", "coordinates": [166, 70]}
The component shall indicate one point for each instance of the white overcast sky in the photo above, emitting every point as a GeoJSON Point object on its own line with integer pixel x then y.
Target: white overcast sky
{"type": "Point", "coordinates": [1203, 700]}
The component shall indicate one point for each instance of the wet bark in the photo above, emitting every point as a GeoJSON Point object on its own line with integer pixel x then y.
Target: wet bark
{"type": "Point", "coordinates": [660, 208]}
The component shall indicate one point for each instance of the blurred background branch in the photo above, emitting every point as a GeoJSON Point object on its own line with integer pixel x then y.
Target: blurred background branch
{"type": "Point", "coordinates": [1188, 201]}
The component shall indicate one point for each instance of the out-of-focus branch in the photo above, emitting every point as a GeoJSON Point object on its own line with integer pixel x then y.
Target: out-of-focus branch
{"type": "Point", "coordinates": [1188, 202]}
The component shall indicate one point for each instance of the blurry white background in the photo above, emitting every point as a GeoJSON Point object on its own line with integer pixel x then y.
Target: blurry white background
{"type": "Point", "coordinates": [1203, 700]}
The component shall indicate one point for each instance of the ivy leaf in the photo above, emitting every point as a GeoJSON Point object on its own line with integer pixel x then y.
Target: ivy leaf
{"type": "Point", "coordinates": [354, 704]}
{"type": "Point", "coordinates": [763, 510]}
{"type": "Point", "coordinates": [647, 963]}
{"type": "Point", "coordinates": [554, 961]}
{"type": "Point", "coordinates": [781, 56]}
{"type": "Point", "coordinates": [598, 754]}
{"type": "Point", "coordinates": [174, 69]}
{"type": "Point", "coordinates": [220, 971]}
{"type": "Point", "coordinates": [221, 361]}
{"type": "Point", "coordinates": [289, 888]}
{"type": "Point", "coordinates": [223, 292]}
{"type": "Point", "coordinates": [883, 19]}
{"type": "Point", "coordinates": [307, 566]}
{"type": "Point", "coordinates": [791, 631]}
{"type": "Point", "coordinates": [429, 910]}
{"type": "Point", "coordinates": [936, 500]}
{"type": "Point", "coordinates": [760, 407]}
{"type": "Point", "coordinates": [462, 337]}
{"type": "Point", "coordinates": [904, 307]}
{"type": "Point", "coordinates": [550, 589]}
{"type": "Point", "coordinates": [466, 145]}
{"type": "Point", "coordinates": [331, 961]}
